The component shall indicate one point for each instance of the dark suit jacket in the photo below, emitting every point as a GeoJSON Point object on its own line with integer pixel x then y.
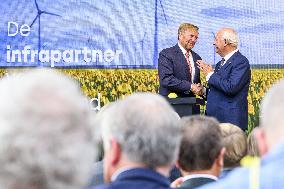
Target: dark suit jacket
{"type": "Point", "coordinates": [195, 182]}
{"type": "Point", "coordinates": [174, 174]}
{"type": "Point", "coordinates": [139, 178]}
{"type": "Point", "coordinates": [174, 72]}
{"type": "Point", "coordinates": [228, 91]}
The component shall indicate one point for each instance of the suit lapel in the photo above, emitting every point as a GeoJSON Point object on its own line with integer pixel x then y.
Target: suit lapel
{"type": "Point", "coordinates": [182, 59]}
{"type": "Point", "coordinates": [180, 55]}
{"type": "Point", "coordinates": [194, 57]}
{"type": "Point", "coordinates": [228, 63]}
{"type": "Point", "coordinates": [217, 67]}
{"type": "Point", "coordinates": [231, 59]}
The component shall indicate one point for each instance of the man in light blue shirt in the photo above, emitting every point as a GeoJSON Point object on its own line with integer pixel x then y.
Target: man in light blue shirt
{"type": "Point", "coordinates": [270, 139]}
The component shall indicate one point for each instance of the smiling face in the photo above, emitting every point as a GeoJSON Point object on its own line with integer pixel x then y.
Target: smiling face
{"type": "Point", "coordinates": [188, 38]}
{"type": "Point", "coordinates": [220, 43]}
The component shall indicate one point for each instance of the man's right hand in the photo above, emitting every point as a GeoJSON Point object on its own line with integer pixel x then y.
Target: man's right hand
{"type": "Point", "coordinates": [197, 88]}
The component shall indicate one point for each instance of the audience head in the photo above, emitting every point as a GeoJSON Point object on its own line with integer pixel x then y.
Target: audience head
{"type": "Point", "coordinates": [100, 116]}
{"type": "Point", "coordinates": [271, 130]}
{"type": "Point", "coordinates": [235, 142]}
{"type": "Point", "coordinates": [201, 147]}
{"type": "Point", "coordinates": [139, 131]}
{"type": "Point", "coordinates": [45, 132]}
{"type": "Point", "coordinates": [252, 145]}
{"type": "Point", "coordinates": [226, 40]}
{"type": "Point", "coordinates": [187, 35]}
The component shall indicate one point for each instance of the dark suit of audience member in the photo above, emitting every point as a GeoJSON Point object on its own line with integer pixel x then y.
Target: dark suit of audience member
{"type": "Point", "coordinates": [138, 178]}
{"type": "Point", "coordinates": [174, 174]}
{"type": "Point", "coordinates": [177, 66]}
{"type": "Point", "coordinates": [98, 174]}
{"type": "Point", "coordinates": [196, 182]}
{"type": "Point", "coordinates": [229, 82]}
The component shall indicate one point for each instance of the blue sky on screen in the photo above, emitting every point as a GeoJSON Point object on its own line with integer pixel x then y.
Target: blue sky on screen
{"type": "Point", "coordinates": [141, 29]}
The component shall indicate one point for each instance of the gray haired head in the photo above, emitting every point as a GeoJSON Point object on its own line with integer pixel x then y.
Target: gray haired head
{"type": "Point", "coordinates": [231, 36]}
{"type": "Point", "coordinates": [45, 132]}
{"type": "Point", "coordinates": [271, 113]}
{"type": "Point", "coordinates": [145, 126]}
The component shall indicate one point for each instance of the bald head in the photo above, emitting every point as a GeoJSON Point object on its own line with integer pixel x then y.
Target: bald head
{"type": "Point", "coordinates": [230, 35]}
{"type": "Point", "coordinates": [226, 41]}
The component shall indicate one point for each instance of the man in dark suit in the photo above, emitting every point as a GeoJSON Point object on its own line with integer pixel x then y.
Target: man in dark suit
{"type": "Point", "coordinates": [177, 68]}
{"type": "Point", "coordinates": [229, 82]}
{"type": "Point", "coordinates": [201, 151]}
{"type": "Point", "coordinates": [139, 146]}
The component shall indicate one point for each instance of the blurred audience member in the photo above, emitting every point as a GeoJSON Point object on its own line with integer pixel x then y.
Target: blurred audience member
{"type": "Point", "coordinates": [252, 145]}
{"type": "Point", "coordinates": [270, 141]}
{"type": "Point", "coordinates": [45, 132]}
{"type": "Point", "coordinates": [141, 139]}
{"type": "Point", "coordinates": [98, 169]}
{"type": "Point", "coordinates": [201, 152]}
{"type": "Point", "coordinates": [235, 142]}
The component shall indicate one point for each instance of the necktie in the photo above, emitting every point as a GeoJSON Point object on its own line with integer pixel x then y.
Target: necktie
{"type": "Point", "coordinates": [222, 62]}
{"type": "Point", "coordinates": [188, 62]}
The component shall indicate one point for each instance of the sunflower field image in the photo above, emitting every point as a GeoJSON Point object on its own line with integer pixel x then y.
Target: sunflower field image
{"type": "Point", "coordinates": [114, 84]}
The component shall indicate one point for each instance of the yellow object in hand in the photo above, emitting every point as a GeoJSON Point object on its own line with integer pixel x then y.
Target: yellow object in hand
{"type": "Point", "coordinates": [172, 95]}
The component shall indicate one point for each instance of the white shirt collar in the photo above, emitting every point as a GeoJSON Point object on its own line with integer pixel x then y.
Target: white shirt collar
{"type": "Point", "coordinates": [182, 49]}
{"type": "Point", "coordinates": [230, 54]}
{"type": "Point", "coordinates": [187, 177]}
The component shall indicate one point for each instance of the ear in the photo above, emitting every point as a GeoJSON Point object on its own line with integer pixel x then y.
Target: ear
{"type": "Point", "coordinates": [115, 151]}
{"type": "Point", "coordinates": [260, 136]}
{"type": "Point", "coordinates": [220, 158]}
{"type": "Point", "coordinates": [226, 42]}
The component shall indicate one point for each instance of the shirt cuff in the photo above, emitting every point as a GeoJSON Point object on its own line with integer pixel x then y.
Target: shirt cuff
{"type": "Point", "coordinates": [204, 91]}
{"type": "Point", "coordinates": [208, 76]}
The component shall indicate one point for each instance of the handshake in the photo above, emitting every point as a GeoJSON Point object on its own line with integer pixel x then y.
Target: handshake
{"type": "Point", "coordinates": [197, 89]}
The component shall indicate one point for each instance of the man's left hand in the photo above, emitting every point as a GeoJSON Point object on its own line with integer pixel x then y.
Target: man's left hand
{"type": "Point", "coordinates": [205, 68]}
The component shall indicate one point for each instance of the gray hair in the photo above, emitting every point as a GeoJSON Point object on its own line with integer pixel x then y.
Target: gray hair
{"type": "Point", "coordinates": [272, 111]}
{"type": "Point", "coordinates": [253, 149]}
{"type": "Point", "coordinates": [45, 132]}
{"type": "Point", "coordinates": [145, 126]}
{"type": "Point", "coordinates": [235, 142]}
{"type": "Point", "coordinates": [230, 36]}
